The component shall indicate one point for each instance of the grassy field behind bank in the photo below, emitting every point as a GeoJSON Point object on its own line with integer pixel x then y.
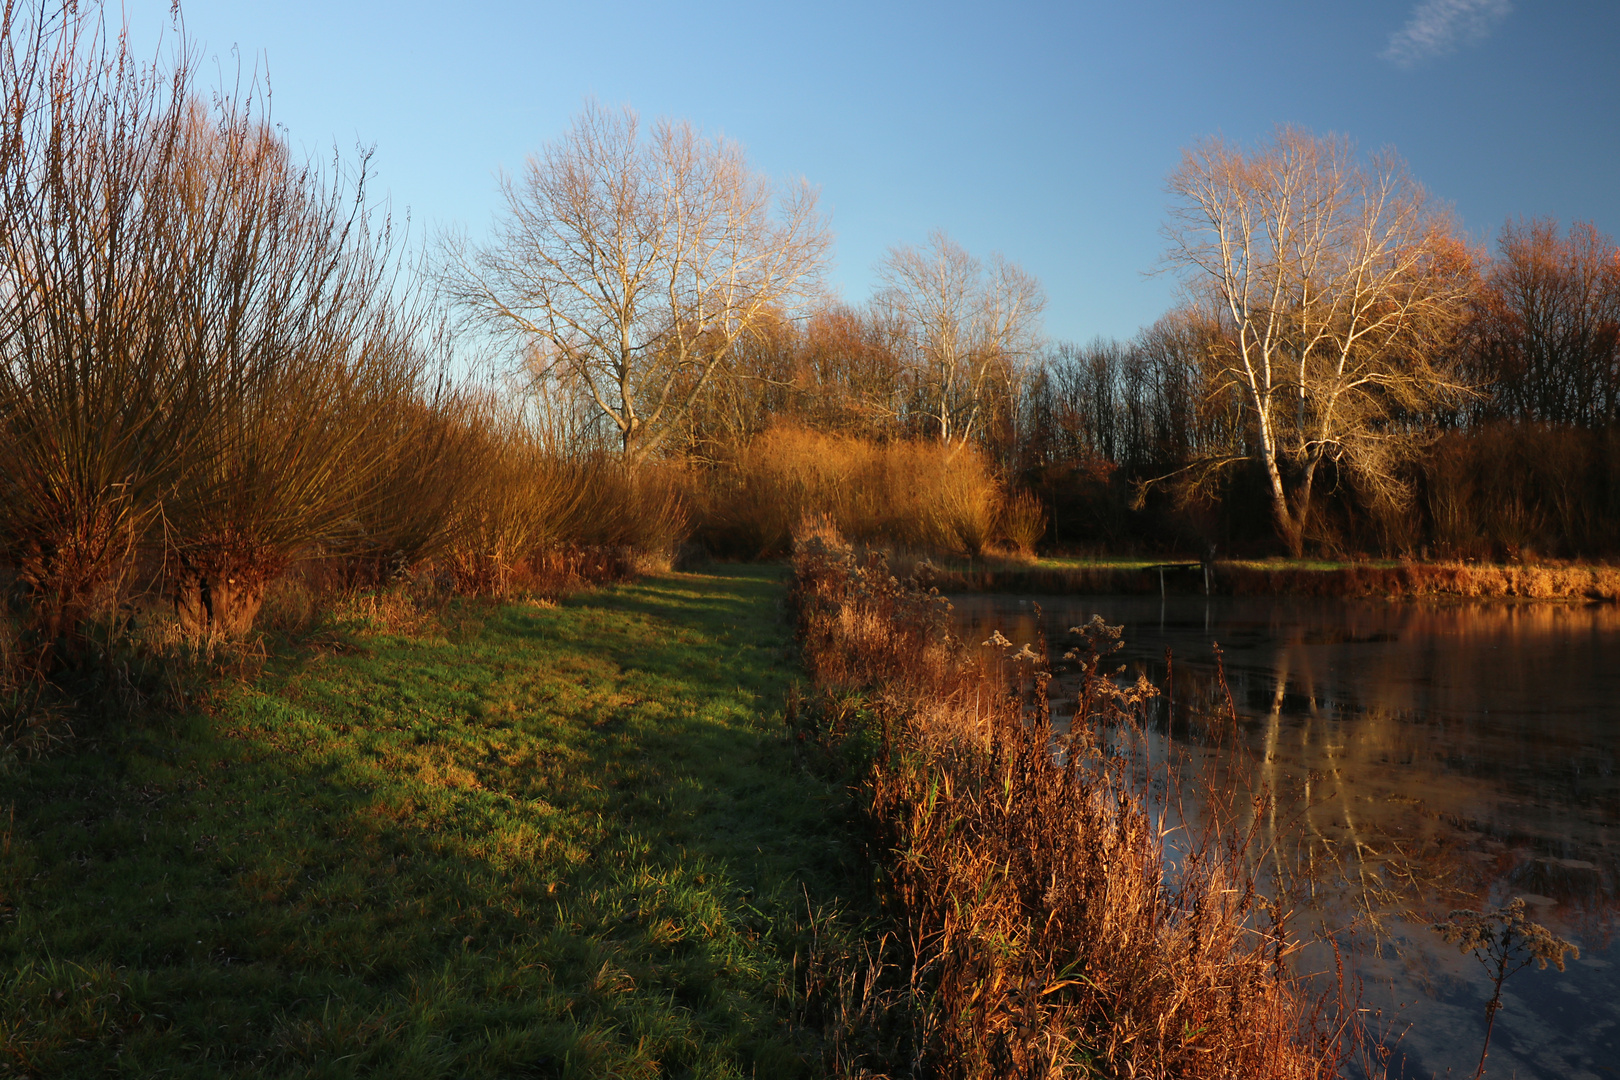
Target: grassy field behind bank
{"type": "Point", "coordinates": [526, 841]}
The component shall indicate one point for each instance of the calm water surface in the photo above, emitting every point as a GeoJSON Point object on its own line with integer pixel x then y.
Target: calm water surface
{"type": "Point", "coordinates": [1423, 757]}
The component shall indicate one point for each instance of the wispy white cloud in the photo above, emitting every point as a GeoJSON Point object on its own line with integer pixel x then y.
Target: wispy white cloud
{"type": "Point", "coordinates": [1437, 27]}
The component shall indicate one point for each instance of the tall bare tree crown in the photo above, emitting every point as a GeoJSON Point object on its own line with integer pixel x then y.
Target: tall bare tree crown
{"type": "Point", "coordinates": [630, 259]}
{"type": "Point", "coordinates": [965, 325]}
{"type": "Point", "coordinates": [1336, 282]}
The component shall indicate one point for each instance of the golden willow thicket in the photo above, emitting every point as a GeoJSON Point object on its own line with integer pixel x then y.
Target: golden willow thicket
{"type": "Point", "coordinates": [215, 369]}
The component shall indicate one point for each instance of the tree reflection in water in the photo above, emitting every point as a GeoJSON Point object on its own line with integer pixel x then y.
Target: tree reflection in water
{"type": "Point", "coordinates": [1408, 759]}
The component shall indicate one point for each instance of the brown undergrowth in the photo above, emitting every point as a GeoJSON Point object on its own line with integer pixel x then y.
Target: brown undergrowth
{"type": "Point", "coordinates": [920, 495]}
{"type": "Point", "coordinates": [1048, 923]}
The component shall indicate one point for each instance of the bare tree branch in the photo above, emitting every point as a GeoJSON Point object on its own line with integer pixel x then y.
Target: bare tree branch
{"type": "Point", "coordinates": [633, 261]}
{"type": "Point", "coordinates": [1337, 285]}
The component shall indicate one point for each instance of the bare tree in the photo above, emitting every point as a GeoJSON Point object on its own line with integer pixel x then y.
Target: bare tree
{"type": "Point", "coordinates": [969, 328]}
{"type": "Point", "coordinates": [850, 374]}
{"type": "Point", "coordinates": [630, 263]}
{"type": "Point", "coordinates": [1335, 283]}
{"type": "Point", "coordinates": [1545, 334]}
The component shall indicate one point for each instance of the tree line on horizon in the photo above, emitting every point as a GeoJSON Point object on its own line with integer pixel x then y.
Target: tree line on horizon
{"type": "Point", "coordinates": [1506, 447]}
{"type": "Point", "coordinates": [1345, 372]}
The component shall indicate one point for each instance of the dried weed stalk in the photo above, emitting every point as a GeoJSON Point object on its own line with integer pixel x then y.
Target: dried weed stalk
{"type": "Point", "coordinates": [1049, 923]}
{"type": "Point", "coordinates": [1504, 942]}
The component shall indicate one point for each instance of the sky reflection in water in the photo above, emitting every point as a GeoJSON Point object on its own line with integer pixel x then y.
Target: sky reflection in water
{"type": "Point", "coordinates": [1425, 756]}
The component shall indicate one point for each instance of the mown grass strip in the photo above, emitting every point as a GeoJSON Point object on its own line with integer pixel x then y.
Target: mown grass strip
{"type": "Point", "coordinates": [561, 841]}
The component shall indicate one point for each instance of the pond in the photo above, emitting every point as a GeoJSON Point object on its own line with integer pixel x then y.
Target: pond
{"type": "Point", "coordinates": [1422, 757]}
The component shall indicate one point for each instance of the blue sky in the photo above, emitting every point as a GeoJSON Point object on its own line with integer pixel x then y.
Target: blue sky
{"type": "Point", "coordinates": [1040, 130]}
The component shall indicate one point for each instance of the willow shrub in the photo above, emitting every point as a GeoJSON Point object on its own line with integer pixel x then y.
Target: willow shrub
{"type": "Point", "coordinates": [917, 495]}
{"type": "Point", "coordinates": [198, 330]}
{"type": "Point", "coordinates": [441, 450]}
{"type": "Point", "coordinates": [309, 355]}
{"type": "Point", "coordinates": [98, 410]}
{"type": "Point", "coordinates": [481, 494]}
{"type": "Point", "coordinates": [516, 501]}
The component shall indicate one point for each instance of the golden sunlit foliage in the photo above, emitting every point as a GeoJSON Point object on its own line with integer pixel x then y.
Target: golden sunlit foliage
{"type": "Point", "coordinates": [215, 369]}
{"type": "Point", "coordinates": [921, 495]}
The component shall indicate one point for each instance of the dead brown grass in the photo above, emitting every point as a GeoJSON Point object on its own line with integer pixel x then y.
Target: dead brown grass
{"type": "Point", "coordinates": [1044, 928]}
{"type": "Point", "coordinates": [1454, 579]}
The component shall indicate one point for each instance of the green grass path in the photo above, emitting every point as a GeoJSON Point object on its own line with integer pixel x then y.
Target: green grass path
{"type": "Point", "coordinates": [559, 841]}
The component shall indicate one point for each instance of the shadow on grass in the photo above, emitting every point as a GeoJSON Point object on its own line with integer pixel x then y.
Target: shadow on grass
{"type": "Point", "coordinates": [570, 842]}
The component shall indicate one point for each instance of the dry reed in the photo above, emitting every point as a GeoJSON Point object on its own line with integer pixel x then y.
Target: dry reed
{"type": "Point", "coordinates": [1046, 927]}
{"type": "Point", "coordinates": [1437, 580]}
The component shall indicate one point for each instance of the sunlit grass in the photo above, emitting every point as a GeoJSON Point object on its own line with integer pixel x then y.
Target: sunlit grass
{"type": "Point", "coordinates": [1110, 562]}
{"type": "Point", "coordinates": [536, 841]}
{"type": "Point", "coordinates": [1323, 565]}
